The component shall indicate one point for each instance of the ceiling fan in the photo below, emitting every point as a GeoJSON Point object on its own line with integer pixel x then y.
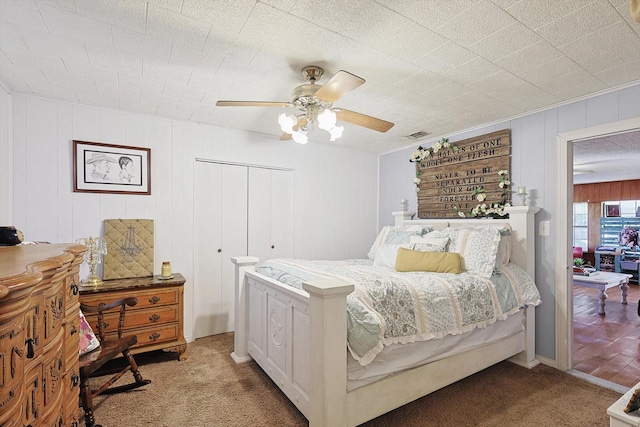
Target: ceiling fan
{"type": "Point", "coordinates": [316, 103]}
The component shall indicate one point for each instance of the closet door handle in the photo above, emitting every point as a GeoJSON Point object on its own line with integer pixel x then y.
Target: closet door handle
{"type": "Point", "coordinates": [219, 250]}
{"type": "Point", "coordinates": [273, 246]}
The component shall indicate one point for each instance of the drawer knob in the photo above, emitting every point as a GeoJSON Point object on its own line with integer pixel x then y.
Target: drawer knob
{"type": "Point", "coordinates": [75, 380]}
{"type": "Point", "coordinates": [74, 330]}
{"type": "Point", "coordinates": [74, 288]}
{"type": "Point", "coordinates": [154, 318]}
{"type": "Point", "coordinates": [154, 336]}
{"type": "Point", "coordinates": [154, 300]}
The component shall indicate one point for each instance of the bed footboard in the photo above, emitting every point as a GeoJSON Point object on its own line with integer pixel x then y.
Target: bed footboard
{"type": "Point", "coordinates": [298, 338]}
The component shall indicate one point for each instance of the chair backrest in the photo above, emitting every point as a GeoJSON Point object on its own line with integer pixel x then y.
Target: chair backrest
{"type": "Point", "coordinates": [102, 307]}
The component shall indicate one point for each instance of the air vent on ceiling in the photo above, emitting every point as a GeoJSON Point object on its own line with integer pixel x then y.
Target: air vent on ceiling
{"type": "Point", "coordinates": [417, 135]}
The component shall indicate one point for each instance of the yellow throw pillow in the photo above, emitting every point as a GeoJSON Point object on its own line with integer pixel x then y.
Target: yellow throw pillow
{"type": "Point", "coordinates": [435, 262]}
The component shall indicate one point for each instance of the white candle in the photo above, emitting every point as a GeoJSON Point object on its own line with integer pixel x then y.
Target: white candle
{"type": "Point", "coordinates": [522, 190]}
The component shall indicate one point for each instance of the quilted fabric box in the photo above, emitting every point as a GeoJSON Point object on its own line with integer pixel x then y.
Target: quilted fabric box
{"type": "Point", "coordinates": [129, 248]}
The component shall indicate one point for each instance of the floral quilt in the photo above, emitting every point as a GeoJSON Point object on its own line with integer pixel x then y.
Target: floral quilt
{"type": "Point", "coordinates": [388, 307]}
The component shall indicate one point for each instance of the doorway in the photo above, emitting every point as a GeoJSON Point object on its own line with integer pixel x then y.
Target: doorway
{"type": "Point", "coordinates": [564, 261]}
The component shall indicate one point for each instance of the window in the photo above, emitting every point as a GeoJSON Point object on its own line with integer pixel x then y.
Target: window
{"type": "Point", "coordinates": [627, 208]}
{"type": "Point", "coordinates": [581, 225]}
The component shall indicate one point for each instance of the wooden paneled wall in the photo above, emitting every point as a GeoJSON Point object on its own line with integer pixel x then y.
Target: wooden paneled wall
{"type": "Point", "coordinates": [603, 191]}
{"type": "Point", "coordinates": [596, 193]}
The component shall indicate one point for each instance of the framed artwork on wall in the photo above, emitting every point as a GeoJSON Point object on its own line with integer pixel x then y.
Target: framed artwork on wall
{"type": "Point", "coordinates": [108, 168]}
{"type": "Point", "coordinates": [612, 210]}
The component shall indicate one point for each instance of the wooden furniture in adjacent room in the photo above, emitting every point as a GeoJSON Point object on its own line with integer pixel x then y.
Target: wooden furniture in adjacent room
{"type": "Point", "coordinates": [109, 348]}
{"type": "Point", "coordinates": [157, 319]}
{"type": "Point", "coordinates": [602, 280]}
{"type": "Point", "coordinates": [39, 377]}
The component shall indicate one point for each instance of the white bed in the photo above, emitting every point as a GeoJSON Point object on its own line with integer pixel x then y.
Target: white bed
{"type": "Point", "coordinates": [299, 337]}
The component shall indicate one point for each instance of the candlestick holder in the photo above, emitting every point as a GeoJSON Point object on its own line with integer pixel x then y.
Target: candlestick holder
{"type": "Point", "coordinates": [523, 197]}
{"type": "Point", "coordinates": [97, 248]}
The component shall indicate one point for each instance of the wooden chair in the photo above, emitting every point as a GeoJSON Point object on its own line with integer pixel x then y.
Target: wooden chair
{"type": "Point", "coordinates": [110, 347]}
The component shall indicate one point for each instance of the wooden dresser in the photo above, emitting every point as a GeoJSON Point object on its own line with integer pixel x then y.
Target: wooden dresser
{"type": "Point", "coordinates": [39, 382]}
{"type": "Point", "coordinates": [157, 319]}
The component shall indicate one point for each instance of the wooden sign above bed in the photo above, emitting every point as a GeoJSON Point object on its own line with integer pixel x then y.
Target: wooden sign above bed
{"type": "Point", "coordinates": [449, 180]}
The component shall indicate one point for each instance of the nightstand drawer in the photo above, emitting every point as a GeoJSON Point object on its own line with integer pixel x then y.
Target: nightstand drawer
{"type": "Point", "coordinates": [136, 318]}
{"type": "Point", "coordinates": [150, 336]}
{"type": "Point", "coordinates": [147, 298]}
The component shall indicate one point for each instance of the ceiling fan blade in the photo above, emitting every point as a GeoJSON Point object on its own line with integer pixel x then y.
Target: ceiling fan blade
{"type": "Point", "coordinates": [253, 104]}
{"type": "Point", "coordinates": [338, 85]}
{"type": "Point", "coordinates": [363, 120]}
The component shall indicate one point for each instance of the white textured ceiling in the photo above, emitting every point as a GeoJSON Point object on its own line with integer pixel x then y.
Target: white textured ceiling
{"type": "Point", "coordinates": [439, 66]}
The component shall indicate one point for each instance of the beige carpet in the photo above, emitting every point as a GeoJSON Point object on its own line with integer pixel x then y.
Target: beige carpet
{"type": "Point", "coordinates": [208, 389]}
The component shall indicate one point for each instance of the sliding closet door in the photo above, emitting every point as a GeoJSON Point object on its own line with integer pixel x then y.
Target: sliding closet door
{"type": "Point", "coordinates": [220, 220]}
{"type": "Point", "coordinates": [271, 213]}
{"type": "Point", "coordinates": [282, 214]}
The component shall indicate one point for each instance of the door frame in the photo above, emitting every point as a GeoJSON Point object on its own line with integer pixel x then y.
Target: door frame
{"type": "Point", "coordinates": [564, 204]}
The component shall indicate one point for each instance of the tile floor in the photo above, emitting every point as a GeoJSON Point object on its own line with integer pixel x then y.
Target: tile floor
{"type": "Point", "coordinates": [607, 347]}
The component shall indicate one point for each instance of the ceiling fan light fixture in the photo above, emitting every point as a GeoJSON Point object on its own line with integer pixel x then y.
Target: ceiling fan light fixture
{"type": "Point", "coordinates": [287, 122]}
{"type": "Point", "coordinates": [327, 120]}
{"type": "Point", "coordinates": [336, 132]}
{"type": "Point", "coordinates": [300, 136]}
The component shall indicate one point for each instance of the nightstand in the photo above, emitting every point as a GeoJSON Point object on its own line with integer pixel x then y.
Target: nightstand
{"type": "Point", "coordinates": [157, 319]}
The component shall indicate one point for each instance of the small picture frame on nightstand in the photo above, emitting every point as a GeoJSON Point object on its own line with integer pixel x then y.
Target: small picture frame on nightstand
{"type": "Point", "coordinates": [634, 402]}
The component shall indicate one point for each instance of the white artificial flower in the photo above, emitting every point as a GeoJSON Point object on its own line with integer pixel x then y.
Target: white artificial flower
{"type": "Point", "coordinates": [425, 154]}
{"type": "Point", "coordinates": [416, 156]}
{"type": "Point", "coordinates": [481, 197]}
{"type": "Point", "coordinates": [437, 146]}
{"type": "Point", "coordinates": [417, 181]}
{"type": "Point", "coordinates": [501, 184]}
{"type": "Point", "coordinates": [483, 207]}
{"type": "Point", "coordinates": [502, 172]}
{"type": "Point", "coordinates": [417, 189]}
{"type": "Point", "coordinates": [461, 214]}
{"type": "Point", "coordinates": [507, 182]}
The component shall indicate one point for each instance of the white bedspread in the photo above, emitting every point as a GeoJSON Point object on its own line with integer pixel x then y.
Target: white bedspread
{"type": "Point", "coordinates": [388, 307]}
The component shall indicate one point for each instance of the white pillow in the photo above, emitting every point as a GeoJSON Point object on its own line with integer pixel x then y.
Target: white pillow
{"type": "Point", "coordinates": [503, 256]}
{"type": "Point", "coordinates": [477, 247]}
{"type": "Point", "coordinates": [377, 242]}
{"type": "Point", "coordinates": [425, 243]}
{"type": "Point", "coordinates": [392, 234]}
{"type": "Point", "coordinates": [387, 254]}
{"type": "Point", "coordinates": [402, 234]}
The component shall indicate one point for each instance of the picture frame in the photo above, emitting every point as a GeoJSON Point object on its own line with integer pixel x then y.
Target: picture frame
{"type": "Point", "coordinates": [612, 210]}
{"type": "Point", "coordinates": [109, 168]}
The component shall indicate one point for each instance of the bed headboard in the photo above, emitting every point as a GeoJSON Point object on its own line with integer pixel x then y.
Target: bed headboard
{"type": "Point", "coordinates": [522, 223]}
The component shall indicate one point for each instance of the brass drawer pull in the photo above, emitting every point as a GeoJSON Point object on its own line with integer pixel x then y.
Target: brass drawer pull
{"type": "Point", "coordinates": [154, 318]}
{"type": "Point", "coordinates": [74, 330]}
{"type": "Point", "coordinates": [154, 336]}
{"type": "Point", "coordinates": [154, 300]}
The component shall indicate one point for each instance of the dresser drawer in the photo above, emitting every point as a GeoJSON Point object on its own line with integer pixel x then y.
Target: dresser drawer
{"type": "Point", "coordinates": [71, 293]}
{"type": "Point", "coordinates": [71, 340]}
{"type": "Point", "coordinates": [146, 298]}
{"type": "Point", "coordinates": [135, 318]}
